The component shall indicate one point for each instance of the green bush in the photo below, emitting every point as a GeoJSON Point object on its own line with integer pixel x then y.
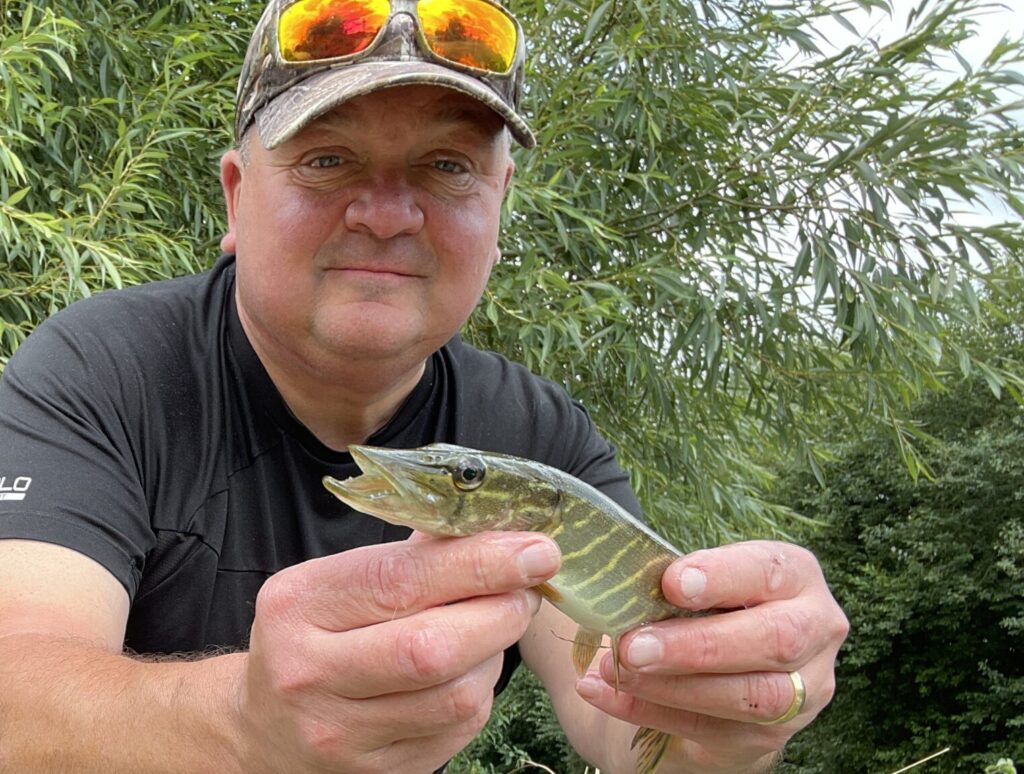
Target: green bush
{"type": "Point", "coordinates": [112, 118]}
{"type": "Point", "coordinates": [931, 576]}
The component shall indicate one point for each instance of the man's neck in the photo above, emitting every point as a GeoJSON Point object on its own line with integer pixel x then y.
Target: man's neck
{"type": "Point", "coordinates": [338, 416]}
{"type": "Point", "coordinates": [340, 403]}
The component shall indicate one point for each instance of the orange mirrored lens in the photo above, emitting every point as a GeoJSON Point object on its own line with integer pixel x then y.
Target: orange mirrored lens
{"type": "Point", "coordinates": [469, 32]}
{"type": "Point", "coordinates": [325, 29]}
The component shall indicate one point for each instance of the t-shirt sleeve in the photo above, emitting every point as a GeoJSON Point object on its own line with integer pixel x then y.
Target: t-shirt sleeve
{"type": "Point", "coordinates": [69, 469]}
{"type": "Point", "coordinates": [592, 458]}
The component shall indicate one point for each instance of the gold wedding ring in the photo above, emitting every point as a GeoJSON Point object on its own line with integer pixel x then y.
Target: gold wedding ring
{"type": "Point", "coordinates": [799, 697]}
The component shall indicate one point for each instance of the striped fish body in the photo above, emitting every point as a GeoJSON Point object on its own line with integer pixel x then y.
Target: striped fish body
{"type": "Point", "coordinates": [610, 578]}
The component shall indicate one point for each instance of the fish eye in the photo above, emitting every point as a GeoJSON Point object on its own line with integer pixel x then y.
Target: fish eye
{"type": "Point", "coordinates": [469, 473]}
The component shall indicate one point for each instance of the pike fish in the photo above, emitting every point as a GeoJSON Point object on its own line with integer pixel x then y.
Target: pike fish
{"type": "Point", "coordinates": [610, 578]}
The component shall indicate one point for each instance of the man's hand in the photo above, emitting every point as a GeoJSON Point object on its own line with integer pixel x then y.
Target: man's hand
{"type": "Point", "coordinates": [384, 658]}
{"type": "Point", "coordinates": [716, 682]}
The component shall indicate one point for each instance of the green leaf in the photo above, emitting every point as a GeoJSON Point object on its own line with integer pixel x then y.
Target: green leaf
{"type": "Point", "coordinates": [595, 19]}
{"type": "Point", "coordinates": [17, 196]}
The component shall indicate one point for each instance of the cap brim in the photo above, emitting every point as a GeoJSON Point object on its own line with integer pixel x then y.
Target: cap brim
{"type": "Point", "coordinates": [289, 112]}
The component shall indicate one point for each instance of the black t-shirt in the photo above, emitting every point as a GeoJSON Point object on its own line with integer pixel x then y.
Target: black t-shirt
{"type": "Point", "coordinates": [139, 428]}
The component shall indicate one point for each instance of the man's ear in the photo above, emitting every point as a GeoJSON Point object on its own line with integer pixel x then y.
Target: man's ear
{"type": "Point", "coordinates": [509, 171]}
{"type": "Point", "coordinates": [231, 171]}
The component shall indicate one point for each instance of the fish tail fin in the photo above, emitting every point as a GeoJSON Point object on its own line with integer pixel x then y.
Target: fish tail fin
{"type": "Point", "coordinates": [652, 746]}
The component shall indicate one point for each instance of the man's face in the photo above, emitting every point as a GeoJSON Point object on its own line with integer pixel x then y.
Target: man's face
{"type": "Point", "coordinates": [370, 235]}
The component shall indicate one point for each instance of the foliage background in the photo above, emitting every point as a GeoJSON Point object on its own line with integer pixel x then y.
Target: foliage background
{"type": "Point", "coordinates": [933, 574]}
{"type": "Point", "coordinates": [735, 245]}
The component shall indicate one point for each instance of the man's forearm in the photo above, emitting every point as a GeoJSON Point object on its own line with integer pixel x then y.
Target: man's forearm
{"type": "Point", "coordinates": [67, 706]}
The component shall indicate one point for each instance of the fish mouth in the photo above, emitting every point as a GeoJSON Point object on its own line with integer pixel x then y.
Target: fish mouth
{"type": "Point", "coordinates": [393, 486]}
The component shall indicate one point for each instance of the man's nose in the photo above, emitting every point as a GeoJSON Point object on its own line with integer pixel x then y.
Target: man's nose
{"type": "Point", "coordinates": [384, 209]}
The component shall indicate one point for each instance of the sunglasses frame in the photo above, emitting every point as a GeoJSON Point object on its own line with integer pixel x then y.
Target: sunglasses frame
{"type": "Point", "coordinates": [410, 7]}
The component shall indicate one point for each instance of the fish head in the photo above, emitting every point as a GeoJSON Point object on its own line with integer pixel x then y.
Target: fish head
{"type": "Point", "coordinates": [446, 490]}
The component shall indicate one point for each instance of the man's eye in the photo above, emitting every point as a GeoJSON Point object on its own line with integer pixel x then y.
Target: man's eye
{"type": "Point", "coordinates": [447, 165]}
{"type": "Point", "coordinates": [325, 162]}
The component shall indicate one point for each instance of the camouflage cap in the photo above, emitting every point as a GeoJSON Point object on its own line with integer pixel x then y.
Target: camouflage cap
{"type": "Point", "coordinates": [282, 97]}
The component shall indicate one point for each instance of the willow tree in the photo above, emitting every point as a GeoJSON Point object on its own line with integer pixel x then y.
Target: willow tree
{"type": "Point", "coordinates": [733, 243]}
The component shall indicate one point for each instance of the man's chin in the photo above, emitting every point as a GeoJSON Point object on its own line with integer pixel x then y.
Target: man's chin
{"type": "Point", "coordinates": [370, 334]}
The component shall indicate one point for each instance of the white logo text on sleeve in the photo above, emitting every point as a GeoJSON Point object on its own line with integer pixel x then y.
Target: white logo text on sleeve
{"type": "Point", "coordinates": [14, 487]}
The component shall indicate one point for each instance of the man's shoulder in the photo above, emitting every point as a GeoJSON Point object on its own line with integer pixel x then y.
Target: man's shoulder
{"type": "Point", "coordinates": [150, 304]}
{"type": "Point", "coordinates": [494, 365]}
{"type": "Point", "coordinates": [504, 407]}
{"type": "Point", "coordinates": [125, 343]}
{"type": "Point", "coordinates": [492, 374]}
{"type": "Point", "coordinates": [149, 318]}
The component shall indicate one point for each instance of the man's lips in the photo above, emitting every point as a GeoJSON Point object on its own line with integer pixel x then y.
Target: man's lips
{"type": "Point", "coordinates": [374, 272]}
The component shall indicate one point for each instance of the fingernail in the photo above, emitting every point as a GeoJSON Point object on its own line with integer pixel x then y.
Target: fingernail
{"type": "Point", "coordinates": [692, 582]}
{"type": "Point", "coordinates": [538, 560]}
{"type": "Point", "coordinates": [644, 650]}
{"type": "Point", "coordinates": [534, 599]}
{"type": "Point", "coordinates": [590, 686]}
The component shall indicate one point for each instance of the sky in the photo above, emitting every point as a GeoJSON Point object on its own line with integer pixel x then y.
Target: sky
{"type": "Point", "coordinates": [1003, 17]}
{"type": "Point", "coordinates": [1000, 18]}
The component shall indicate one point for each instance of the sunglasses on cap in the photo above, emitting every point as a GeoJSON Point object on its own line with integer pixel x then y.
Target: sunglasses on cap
{"type": "Point", "coordinates": [475, 35]}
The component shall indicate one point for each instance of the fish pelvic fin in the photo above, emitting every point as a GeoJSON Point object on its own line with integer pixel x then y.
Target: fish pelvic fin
{"type": "Point", "coordinates": [652, 745]}
{"type": "Point", "coordinates": [584, 648]}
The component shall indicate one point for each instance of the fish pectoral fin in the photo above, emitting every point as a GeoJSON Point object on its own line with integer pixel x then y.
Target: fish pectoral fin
{"type": "Point", "coordinates": [549, 592]}
{"type": "Point", "coordinates": [584, 647]}
{"type": "Point", "coordinates": [652, 746]}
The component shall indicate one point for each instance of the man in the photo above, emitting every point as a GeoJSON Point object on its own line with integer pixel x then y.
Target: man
{"type": "Point", "coordinates": [164, 447]}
